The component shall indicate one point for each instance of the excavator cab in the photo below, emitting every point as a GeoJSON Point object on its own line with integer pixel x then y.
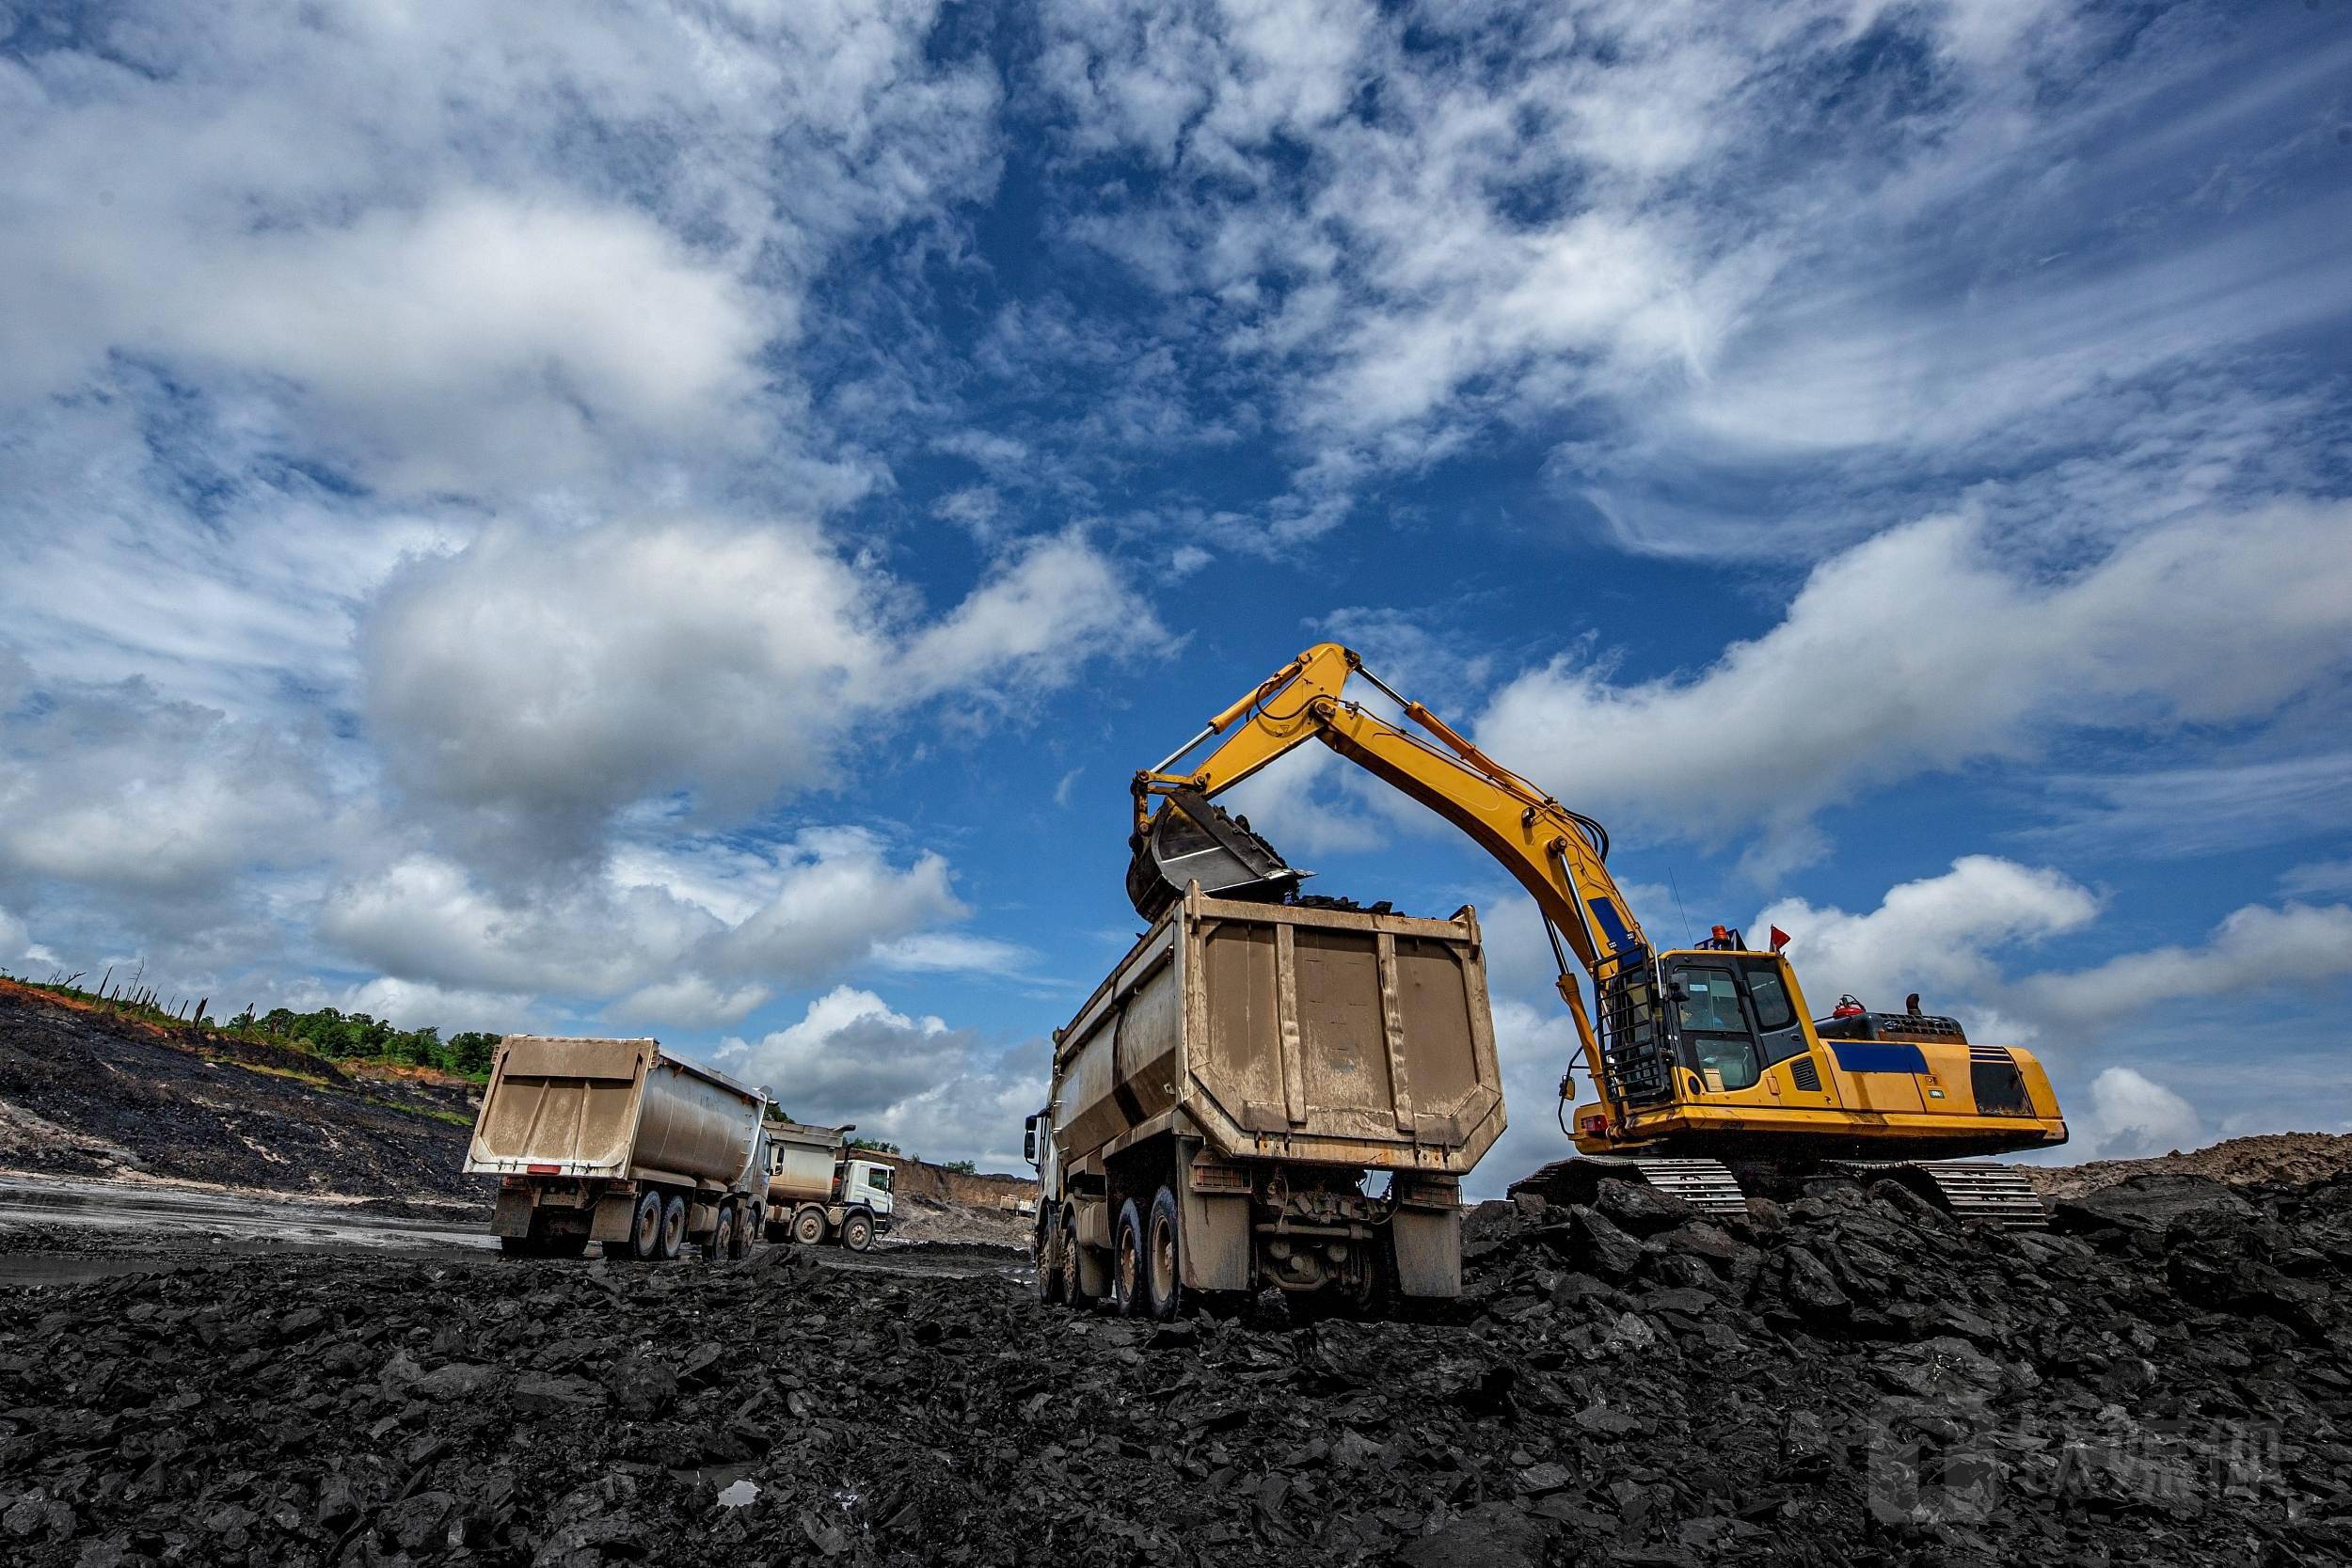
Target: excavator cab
{"type": "Point", "coordinates": [1733, 1017]}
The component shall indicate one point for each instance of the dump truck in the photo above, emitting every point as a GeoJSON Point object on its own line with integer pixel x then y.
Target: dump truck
{"type": "Point", "coordinates": [618, 1142]}
{"type": "Point", "coordinates": [1268, 1095]}
{"type": "Point", "coordinates": [820, 1189]}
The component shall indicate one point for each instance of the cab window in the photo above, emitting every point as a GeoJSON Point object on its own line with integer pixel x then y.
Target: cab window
{"type": "Point", "coordinates": [1770, 997]}
{"type": "Point", "coordinates": [1717, 1042]}
{"type": "Point", "coordinates": [1709, 1001]}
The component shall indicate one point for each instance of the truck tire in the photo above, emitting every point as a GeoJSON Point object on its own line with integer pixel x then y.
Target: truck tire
{"type": "Point", "coordinates": [1049, 1244]}
{"type": "Point", "coordinates": [1074, 1279]}
{"type": "Point", "coordinates": [521, 1246]}
{"type": "Point", "coordinates": [746, 1233]}
{"type": "Point", "coordinates": [808, 1226]}
{"type": "Point", "coordinates": [645, 1231]}
{"type": "Point", "coordinates": [722, 1238]}
{"type": "Point", "coordinates": [1127, 1265]}
{"type": "Point", "coordinates": [673, 1230]}
{"type": "Point", "coordinates": [1163, 1257]}
{"type": "Point", "coordinates": [857, 1232]}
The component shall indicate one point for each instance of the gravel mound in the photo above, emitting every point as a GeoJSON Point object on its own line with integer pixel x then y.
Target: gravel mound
{"type": "Point", "coordinates": [1851, 1378]}
{"type": "Point", "coordinates": [2265, 1159]}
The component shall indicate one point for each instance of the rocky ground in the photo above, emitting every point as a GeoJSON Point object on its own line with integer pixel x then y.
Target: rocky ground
{"type": "Point", "coordinates": [2164, 1378]}
{"type": "Point", "coordinates": [84, 1093]}
{"type": "Point", "coordinates": [2264, 1159]}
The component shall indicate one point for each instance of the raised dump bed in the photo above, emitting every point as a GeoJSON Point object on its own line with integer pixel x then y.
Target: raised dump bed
{"type": "Point", "coordinates": [1223, 1102]}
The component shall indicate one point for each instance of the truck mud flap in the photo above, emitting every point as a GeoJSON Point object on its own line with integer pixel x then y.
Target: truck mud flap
{"type": "Point", "coordinates": [614, 1213]}
{"type": "Point", "coordinates": [1429, 1250]}
{"type": "Point", "coordinates": [512, 1215]}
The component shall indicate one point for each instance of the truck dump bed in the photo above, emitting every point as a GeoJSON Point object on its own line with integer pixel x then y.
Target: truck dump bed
{"type": "Point", "coordinates": [612, 1109]}
{"type": "Point", "coordinates": [802, 1161]}
{"type": "Point", "coordinates": [1299, 1034]}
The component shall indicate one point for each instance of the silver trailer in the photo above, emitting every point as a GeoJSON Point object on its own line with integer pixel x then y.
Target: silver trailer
{"type": "Point", "coordinates": [820, 1189]}
{"type": "Point", "coordinates": [621, 1143]}
{"type": "Point", "coordinates": [1268, 1095]}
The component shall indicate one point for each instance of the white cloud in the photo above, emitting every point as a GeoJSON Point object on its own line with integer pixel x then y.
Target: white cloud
{"type": "Point", "coordinates": [15, 937]}
{"type": "Point", "coordinates": [2316, 876]}
{"type": "Point", "coordinates": [1660, 237]}
{"type": "Point", "coordinates": [568, 676]}
{"type": "Point", "coordinates": [2132, 1115]}
{"type": "Point", "coordinates": [577, 673]}
{"type": "Point", "coordinates": [2256, 948]}
{"type": "Point", "coordinates": [836, 901]}
{"type": "Point", "coordinates": [115, 787]}
{"type": "Point", "coordinates": [684, 939]}
{"type": "Point", "coordinates": [850, 1059]}
{"type": "Point", "coordinates": [1057, 602]}
{"type": "Point", "coordinates": [1921, 651]}
{"type": "Point", "coordinates": [465, 248]}
{"type": "Point", "coordinates": [2207, 810]}
{"type": "Point", "coordinates": [688, 1002]}
{"type": "Point", "coordinates": [1937, 935]}
{"type": "Point", "coordinates": [914, 1081]}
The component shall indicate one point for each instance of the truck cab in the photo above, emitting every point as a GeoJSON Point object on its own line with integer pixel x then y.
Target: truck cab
{"type": "Point", "coordinates": [866, 1183]}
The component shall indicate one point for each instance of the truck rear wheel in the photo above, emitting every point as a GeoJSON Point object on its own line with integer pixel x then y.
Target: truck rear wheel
{"type": "Point", "coordinates": [673, 1230]}
{"type": "Point", "coordinates": [808, 1226]}
{"type": "Point", "coordinates": [645, 1231]}
{"type": "Point", "coordinates": [1127, 1265]}
{"type": "Point", "coordinates": [1163, 1257]}
{"type": "Point", "coordinates": [857, 1232]}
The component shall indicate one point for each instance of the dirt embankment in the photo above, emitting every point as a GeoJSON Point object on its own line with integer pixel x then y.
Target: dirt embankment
{"type": "Point", "coordinates": [2267, 1159]}
{"type": "Point", "coordinates": [83, 1092]}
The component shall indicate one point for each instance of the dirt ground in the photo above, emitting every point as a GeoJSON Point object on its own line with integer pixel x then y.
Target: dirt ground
{"type": "Point", "coordinates": [2264, 1159]}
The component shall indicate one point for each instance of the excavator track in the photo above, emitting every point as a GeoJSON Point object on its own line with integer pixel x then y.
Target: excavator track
{"type": "Point", "coordinates": [1707, 1186]}
{"type": "Point", "coordinates": [1998, 1195]}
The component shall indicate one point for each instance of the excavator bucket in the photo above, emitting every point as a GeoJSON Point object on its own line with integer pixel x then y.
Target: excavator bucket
{"type": "Point", "coordinates": [1193, 841]}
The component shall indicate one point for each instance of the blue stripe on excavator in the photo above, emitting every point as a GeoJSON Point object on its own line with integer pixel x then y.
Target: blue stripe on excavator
{"type": "Point", "coordinates": [1878, 1057]}
{"type": "Point", "coordinates": [1611, 923]}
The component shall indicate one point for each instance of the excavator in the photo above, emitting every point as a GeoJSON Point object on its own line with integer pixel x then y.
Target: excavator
{"type": "Point", "coordinates": [1710, 1079]}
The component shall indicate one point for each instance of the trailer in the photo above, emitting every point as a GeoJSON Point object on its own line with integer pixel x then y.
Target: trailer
{"type": "Point", "coordinates": [619, 1142]}
{"type": "Point", "coordinates": [819, 1190]}
{"type": "Point", "coordinates": [1268, 1095]}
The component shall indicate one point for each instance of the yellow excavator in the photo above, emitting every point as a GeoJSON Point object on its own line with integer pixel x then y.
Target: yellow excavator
{"type": "Point", "coordinates": [1710, 1074]}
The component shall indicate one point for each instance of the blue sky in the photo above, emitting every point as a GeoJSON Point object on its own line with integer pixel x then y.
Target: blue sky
{"type": "Point", "coordinates": [684, 521]}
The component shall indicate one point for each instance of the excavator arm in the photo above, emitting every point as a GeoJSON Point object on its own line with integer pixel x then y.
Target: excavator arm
{"type": "Point", "coordinates": [1557, 854]}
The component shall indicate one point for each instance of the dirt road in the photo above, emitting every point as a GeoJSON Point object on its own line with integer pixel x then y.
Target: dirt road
{"type": "Point", "coordinates": [59, 1229]}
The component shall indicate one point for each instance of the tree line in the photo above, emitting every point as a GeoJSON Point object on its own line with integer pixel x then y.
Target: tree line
{"type": "Point", "coordinates": [357, 1036]}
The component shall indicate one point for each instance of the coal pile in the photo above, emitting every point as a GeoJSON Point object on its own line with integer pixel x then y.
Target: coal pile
{"type": "Point", "coordinates": [1850, 1378]}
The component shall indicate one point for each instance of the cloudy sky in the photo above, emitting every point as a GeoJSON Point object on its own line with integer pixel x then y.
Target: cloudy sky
{"type": "Point", "coordinates": [682, 521]}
